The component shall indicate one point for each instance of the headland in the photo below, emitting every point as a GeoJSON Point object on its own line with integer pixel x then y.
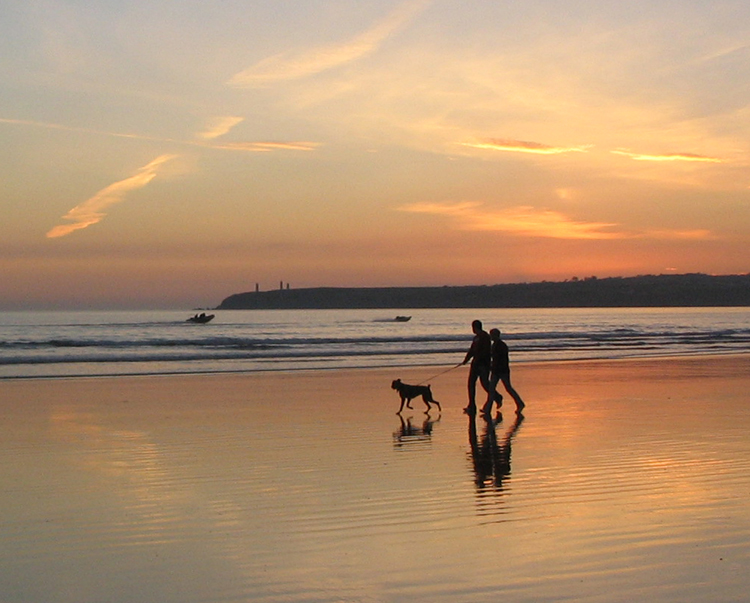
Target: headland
{"type": "Point", "coordinates": [683, 290]}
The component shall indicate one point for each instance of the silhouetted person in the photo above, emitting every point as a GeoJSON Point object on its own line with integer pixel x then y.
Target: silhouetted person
{"type": "Point", "coordinates": [500, 371]}
{"type": "Point", "coordinates": [480, 354]}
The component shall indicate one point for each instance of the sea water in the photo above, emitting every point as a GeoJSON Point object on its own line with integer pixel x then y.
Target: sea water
{"type": "Point", "coordinates": [63, 344]}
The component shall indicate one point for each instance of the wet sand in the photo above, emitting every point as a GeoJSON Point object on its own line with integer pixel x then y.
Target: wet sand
{"type": "Point", "coordinates": [623, 481]}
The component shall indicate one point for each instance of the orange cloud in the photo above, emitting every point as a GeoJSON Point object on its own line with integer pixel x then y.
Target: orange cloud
{"type": "Point", "coordinates": [668, 157]}
{"type": "Point", "coordinates": [531, 222]}
{"type": "Point", "coordinates": [692, 235]}
{"type": "Point", "coordinates": [219, 126]}
{"type": "Point", "coordinates": [52, 126]}
{"type": "Point", "coordinates": [523, 220]}
{"type": "Point", "coordinates": [523, 146]}
{"type": "Point", "coordinates": [263, 147]}
{"type": "Point", "coordinates": [295, 65]}
{"type": "Point", "coordinates": [91, 211]}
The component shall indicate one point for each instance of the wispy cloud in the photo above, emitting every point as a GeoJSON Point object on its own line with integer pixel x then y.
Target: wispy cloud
{"type": "Point", "coordinates": [523, 220]}
{"type": "Point", "coordinates": [262, 147]}
{"type": "Point", "coordinates": [218, 126]}
{"type": "Point", "coordinates": [523, 146]}
{"type": "Point", "coordinates": [215, 128]}
{"type": "Point", "coordinates": [303, 63]}
{"type": "Point", "coordinates": [531, 222]}
{"type": "Point", "coordinates": [724, 52]}
{"type": "Point", "coordinates": [680, 235]}
{"type": "Point", "coordinates": [690, 157]}
{"type": "Point", "coordinates": [53, 126]}
{"type": "Point", "coordinates": [91, 211]}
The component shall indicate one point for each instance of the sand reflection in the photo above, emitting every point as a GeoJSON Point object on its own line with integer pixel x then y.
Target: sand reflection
{"type": "Point", "coordinates": [490, 455]}
{"type": "Point", "coordinates": [410, 434]}
{"type": "Point", "coordinates": [627, 482]}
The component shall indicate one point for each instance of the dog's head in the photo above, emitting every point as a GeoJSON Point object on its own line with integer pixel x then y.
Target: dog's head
{"type": "Point", "coordinates": [396, 384]}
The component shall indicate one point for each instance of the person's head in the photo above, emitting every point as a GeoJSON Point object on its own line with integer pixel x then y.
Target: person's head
{"type": "Point", "coordinates": [476, 326]}
{"type": "Point", "coordinates": [495, 334]}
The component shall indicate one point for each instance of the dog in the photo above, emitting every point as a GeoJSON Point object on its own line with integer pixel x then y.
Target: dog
{"type": "Point", "coordinates": [409, 392]}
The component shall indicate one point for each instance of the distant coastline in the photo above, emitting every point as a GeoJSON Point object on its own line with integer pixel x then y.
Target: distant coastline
{"type": "Point", "coordinates": [683, 290]}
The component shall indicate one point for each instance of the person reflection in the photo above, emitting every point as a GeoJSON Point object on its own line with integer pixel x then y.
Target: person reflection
{"type": "Point", "coordinates": [490, 456]}
{"type": "Point", "coordinates": [411, 433]}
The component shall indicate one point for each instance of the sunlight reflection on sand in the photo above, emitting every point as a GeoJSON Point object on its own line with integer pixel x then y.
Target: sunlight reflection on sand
{"type": "Point", "coordinates": [625, 481]}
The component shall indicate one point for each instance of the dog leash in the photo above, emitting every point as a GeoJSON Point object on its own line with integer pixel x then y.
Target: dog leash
{"type": "Point", "coordinates": [441, 373]}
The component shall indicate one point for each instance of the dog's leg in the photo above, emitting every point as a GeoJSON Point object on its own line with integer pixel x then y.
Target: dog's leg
{"type": "Point", "coordinates": [402, 405]}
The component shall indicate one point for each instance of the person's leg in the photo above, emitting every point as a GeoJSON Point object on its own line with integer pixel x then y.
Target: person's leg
{"type": "Point", "coordinates": [472, 388]}
{"type": "Point", "coordinates": [493, 395]}
{"type": "Point", "coordinates": [513, 393]}
{"type": "Point", "coordinates": [484, 379]}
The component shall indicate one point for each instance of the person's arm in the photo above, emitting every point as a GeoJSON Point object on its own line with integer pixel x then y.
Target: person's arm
{"type": "Point", "coordinates": [469, 354]}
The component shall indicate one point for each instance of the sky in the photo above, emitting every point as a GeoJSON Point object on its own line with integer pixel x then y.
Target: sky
{"type": "Point", "coordinates": [168, 154]}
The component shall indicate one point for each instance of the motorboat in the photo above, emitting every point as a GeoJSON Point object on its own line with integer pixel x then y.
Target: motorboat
{"type": "Point", "coordinates": [201, 318]}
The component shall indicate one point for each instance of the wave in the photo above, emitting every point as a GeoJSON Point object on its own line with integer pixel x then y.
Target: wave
{"type": "Point", "coordinates": [548, 337]}
{"type": "Point", "coordinates": [527, 345]}
{"type": "Point", "coordinates": [66, 344]}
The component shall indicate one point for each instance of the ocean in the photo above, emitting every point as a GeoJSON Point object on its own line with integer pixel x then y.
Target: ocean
{"type": "Point", "coordinates": [100, 343]}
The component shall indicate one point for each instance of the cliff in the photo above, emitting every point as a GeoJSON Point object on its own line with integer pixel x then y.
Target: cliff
{"type": "Point", "coordinates": [640, 291]}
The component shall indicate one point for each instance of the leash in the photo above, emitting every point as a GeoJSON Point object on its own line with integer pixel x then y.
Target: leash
{"type": "Point", "coordinates": [441, 373]}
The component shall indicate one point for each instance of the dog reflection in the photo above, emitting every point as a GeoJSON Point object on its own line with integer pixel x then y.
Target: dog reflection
{"type": "Point", "coordinates": [409, 433]}
{"type": "Point", "coordinates": [490, 456]}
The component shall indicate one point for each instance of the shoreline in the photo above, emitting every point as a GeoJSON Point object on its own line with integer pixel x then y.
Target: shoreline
{"type": "Point", "coordinates": [518, 364]}
{"type": "Point", "coordinates": [531, 366]}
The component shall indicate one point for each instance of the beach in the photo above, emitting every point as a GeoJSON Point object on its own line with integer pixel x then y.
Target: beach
{"type": "Point", "coordinates": [624, 480]}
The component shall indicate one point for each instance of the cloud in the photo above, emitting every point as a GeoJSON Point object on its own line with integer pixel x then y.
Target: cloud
{"type": "Point", "coordinates": [522, 220]}
{"type": "Point", "coordinates": [303, 63]}
{"type": "Point", "coordinates": [669, 157]}
{"type": "Point", "coordinates": [531, 222]}
{"type": "Point", "coordinates": [680, 235]}
{"type": "Point", "coordinates": [91, 211]}
{"type": "Point", "coordinates": [262, 147]}
{"type": "Point", "coordinates": [52, 126]}
{"type": "Point", "coordinates": [218, 126]}
{"type": "Point", "coordinates": [522, 146]}
{"type": "Point", "coordinates": [724, 52]}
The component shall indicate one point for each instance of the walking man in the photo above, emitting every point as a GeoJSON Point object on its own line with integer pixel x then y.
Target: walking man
{"type": "Point", "coordinates": [500, 371]}
{"type": "Point", "coordinates": [479, 353]}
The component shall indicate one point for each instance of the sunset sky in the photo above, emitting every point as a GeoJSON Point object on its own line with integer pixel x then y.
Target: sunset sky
{"type": "Point", "coordinates": [168, 154]}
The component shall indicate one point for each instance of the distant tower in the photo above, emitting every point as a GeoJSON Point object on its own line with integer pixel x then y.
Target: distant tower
{"type": "Point", "coordinates": [281, 285]}
{"type": "Point", "coordinates": [257, 287]}
{"type": "Point", "coordinates": [287, 286]}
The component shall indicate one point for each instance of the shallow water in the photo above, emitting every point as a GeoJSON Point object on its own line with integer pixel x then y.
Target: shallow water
{"type": "Point", "coordinates": [609, 489]}
{"type": "Point", "coordinates": [65, 344]}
